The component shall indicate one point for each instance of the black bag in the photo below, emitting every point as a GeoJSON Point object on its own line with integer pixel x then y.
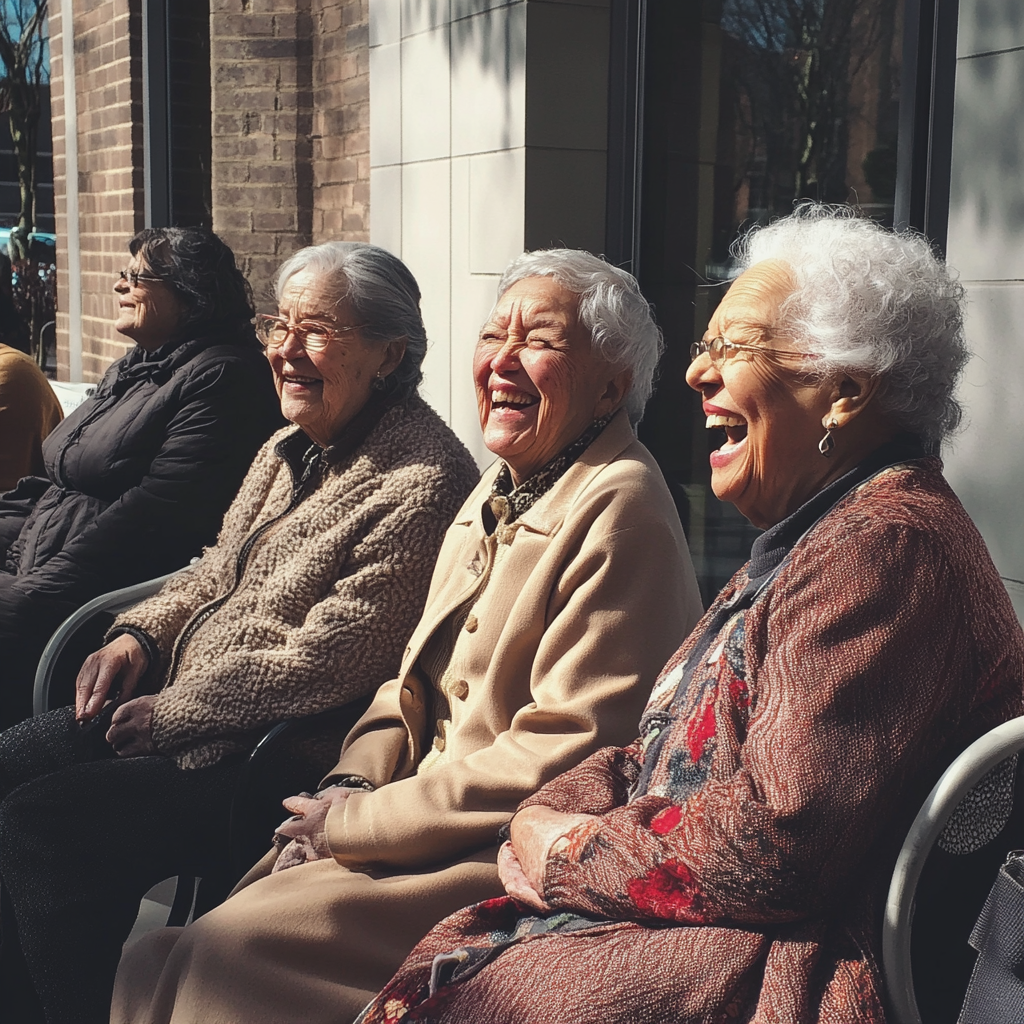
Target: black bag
{"type": "Point", "coordinates": [996, 992]}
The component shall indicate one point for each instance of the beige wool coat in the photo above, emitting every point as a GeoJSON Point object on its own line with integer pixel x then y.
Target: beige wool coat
{"type": "Point", "coordinates": [303, 606]}
{"type": "Point", "coordinates": [567, 637]}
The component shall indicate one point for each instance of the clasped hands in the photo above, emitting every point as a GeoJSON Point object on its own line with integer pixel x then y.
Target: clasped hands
{"type": "Point", "coordinates": [523, 860]}
{"type": "Point", "coordinates": [111, 675]}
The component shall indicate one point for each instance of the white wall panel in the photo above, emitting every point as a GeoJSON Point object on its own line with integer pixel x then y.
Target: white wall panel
{"type": "Point", "coordinates": [386, 104]}
{"type": "Point", "coordinates": [386, 221]}
{"type": "Point", "coordinates": [385, 22]}
{"type": "Point", "coordinates": [496, 209]}
{"type": "Point", "coordinates": [987, 25]}
{"type": "Point", "coordinates": [425, 96]}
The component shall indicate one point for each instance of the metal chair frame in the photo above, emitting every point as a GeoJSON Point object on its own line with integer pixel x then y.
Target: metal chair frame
{"type": "Point", "coordinates": [966, 771]}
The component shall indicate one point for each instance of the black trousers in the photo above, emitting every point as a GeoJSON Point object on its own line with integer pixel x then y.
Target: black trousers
{"type": "Point", "coordinates": [83, 835]}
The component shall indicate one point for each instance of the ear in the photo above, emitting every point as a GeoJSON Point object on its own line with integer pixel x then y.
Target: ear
{"type": "Point", "coordinates": [614, 394]}
{"type": "Point", "coordinates": [850, 395]}
{"type": "Point", "coordinates": [394, 351]}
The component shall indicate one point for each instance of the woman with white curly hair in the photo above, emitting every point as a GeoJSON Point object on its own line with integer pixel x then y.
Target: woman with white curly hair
{"type": "Point", "coordinates": [730, 863]}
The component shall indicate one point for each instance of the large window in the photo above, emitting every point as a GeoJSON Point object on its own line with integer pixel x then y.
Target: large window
{"type": "Point", "coordinates": [747, 106]}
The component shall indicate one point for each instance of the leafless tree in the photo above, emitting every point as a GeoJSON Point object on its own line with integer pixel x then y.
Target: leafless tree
{"type": "Point", "coordinates": [23, 57]}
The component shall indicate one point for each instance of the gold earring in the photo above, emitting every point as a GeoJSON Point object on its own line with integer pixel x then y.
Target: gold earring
{"type": "Point", "coordinates": [828, 442]}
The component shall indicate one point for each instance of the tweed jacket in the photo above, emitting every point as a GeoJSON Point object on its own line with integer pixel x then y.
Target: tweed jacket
{"type": "Point", "coordinates": [302, 606]}
{"type": "Point", "coordinates": [746, 882]}
{"type": "Point", "coordinates": [576, 618]}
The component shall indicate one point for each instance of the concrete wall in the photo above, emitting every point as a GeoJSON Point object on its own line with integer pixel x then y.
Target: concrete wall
{"type": "Point", "coordinates": [986, 245]}
{"type": "Point", "coordinates": [487, 136]}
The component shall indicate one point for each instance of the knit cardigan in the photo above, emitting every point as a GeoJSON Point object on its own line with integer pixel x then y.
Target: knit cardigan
{"type": "Point", "coordinates": [302, 607]}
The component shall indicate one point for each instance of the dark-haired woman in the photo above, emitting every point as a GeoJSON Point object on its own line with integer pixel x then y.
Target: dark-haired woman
{"type": "Point", "coordinates": [139, 476]}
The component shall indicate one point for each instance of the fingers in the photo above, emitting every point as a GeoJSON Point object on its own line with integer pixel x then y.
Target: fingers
{"type": "Point", "coordinates": [112, 671]}
{"type": "Point", "coordinates": [301, 804]}
{"type": "Point", "coordinates": [91, 686]}
{"type": "Point", "coordinates": [516, 884]}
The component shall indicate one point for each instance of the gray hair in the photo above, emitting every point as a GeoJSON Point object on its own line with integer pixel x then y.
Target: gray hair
{"type": "Point", "coordinates": [872, 301]}
{"type": "Point", "coordinates": [383, 293]}
{"type": "Point", "coordinates": [611, 308]}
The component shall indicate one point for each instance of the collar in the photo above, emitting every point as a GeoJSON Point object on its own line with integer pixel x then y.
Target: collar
{"type": "Point", "coordinates": [508, 503]}
{"type": "Point", "coordinates": [775, 543]}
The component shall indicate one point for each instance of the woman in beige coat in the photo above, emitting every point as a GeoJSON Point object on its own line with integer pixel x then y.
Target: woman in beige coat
{"type": "Point", "coordinates": [561, 587]}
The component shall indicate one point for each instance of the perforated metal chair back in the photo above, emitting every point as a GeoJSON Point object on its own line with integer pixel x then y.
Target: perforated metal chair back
{"type": "Point", "coordinates": [972, 817]}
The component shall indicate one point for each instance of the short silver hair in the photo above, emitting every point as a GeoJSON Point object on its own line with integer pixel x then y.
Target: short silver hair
{"type": "Point", "coordinates": [618, 318]}
{"type": "Point", "coordinates": [383, 293]}
{"type": "Point", "coordinates": [872, 301]}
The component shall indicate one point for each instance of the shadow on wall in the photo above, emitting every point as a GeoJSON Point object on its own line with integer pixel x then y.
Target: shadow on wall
{"type": "Point", "coordinates": [986, 471]}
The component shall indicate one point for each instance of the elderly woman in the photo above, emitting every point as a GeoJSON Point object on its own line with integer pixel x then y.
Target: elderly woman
{"type": "Point", "coordinates": [139, 476]}
{"type": "Point", "coordinates": [305, 603]}
{"type": "Point", "coordinates": [729, 864]}
{"type": "Point", "coordinates": [561, 586]}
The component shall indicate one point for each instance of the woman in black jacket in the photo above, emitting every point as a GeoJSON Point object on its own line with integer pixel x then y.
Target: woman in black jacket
{"type": "Point", "coordinates": [139, 476]}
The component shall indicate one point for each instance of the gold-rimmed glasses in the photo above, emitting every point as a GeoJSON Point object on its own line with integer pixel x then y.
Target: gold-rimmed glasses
{"type": "Point", "coordinates": [133, 277]}
{"type": "Point", "coordinates": [314, 335]}
{"type": "Point", "coordinates": [720, 349]}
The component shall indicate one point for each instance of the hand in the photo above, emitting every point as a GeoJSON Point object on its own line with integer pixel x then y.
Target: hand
{"type": "Point", "coordinates": [306, 832]}
{"type": "Point", "coordinates": [131, 728]}
{"type": "Point", "coordinates": [115, 669]}
{"type": "Point", "coordinates": [534, 830]}
{"type": "Point", "coordinates": [517, 885]}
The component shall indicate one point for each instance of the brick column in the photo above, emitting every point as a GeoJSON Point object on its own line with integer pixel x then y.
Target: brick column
{"type": "Point", "coordinates": [108, 58]}
{"type": "Point", "coordinates": [341, 121]}
{"type": "Point", "coordinates": [262, 61]}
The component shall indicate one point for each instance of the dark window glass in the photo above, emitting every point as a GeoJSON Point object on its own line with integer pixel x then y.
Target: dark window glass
{"type": "Point", "coordinates": [749, 105]}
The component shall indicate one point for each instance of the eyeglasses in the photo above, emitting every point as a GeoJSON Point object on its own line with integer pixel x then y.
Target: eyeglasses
{"type": "Point", "coordinates": [314, 336]}
{"type": "Point", "coordinates": [719, 350]}
{"type": "Point", "coordinates": [133, 277]}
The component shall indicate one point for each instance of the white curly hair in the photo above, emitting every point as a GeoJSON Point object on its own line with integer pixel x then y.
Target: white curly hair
{"type": "Point", "coordinates": [870, 300]}
{"type": "Point", "coordinates": [611, 308]}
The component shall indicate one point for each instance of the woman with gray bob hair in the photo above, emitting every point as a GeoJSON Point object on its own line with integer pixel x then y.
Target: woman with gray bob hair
{"type": "Point", "coordinates": [611, 308]}
{"type": "Point", "coordinates": [382, 292]}
{"type": "Point", "coordinates": [875, 302]}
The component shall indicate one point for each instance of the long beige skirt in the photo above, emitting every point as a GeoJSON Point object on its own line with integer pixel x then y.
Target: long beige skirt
{"type": "Point", "coordinates": [310, 945]}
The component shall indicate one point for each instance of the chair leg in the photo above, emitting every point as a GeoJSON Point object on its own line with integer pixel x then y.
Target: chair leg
{"type": "Point", "coordinates": [184, 897]}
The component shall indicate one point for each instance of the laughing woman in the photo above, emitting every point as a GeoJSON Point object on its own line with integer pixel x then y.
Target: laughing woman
{"type": "Point", "coordinates": [730, 863]}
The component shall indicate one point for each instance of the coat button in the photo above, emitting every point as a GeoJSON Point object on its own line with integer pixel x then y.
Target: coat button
{"type": "Point", "coordinates": [471, 624]}
{"type": "Point", "coordinates": [460, 689]}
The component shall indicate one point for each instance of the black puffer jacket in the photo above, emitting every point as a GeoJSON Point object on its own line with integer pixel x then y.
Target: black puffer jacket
{"type": "Point", "coordinates": [139, 477]}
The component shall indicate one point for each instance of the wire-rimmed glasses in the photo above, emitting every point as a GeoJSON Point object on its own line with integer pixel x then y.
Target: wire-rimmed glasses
{"type": "Point", "coordinates": [313, 335]}
{"type": "Point", "coordinates": [720, 349]}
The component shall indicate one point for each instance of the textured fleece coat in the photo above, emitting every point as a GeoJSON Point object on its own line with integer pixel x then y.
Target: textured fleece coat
{"type": "Point", "coordinates": [299, 608]}
{"type": "Point", "coordinates": [593, 594]}
{"type": "Point", "coordinates": [137, 480]}
{"type": "Point", "coordinates": [29, 410]}
{"type": "Point", "coordinates": [747, 884]}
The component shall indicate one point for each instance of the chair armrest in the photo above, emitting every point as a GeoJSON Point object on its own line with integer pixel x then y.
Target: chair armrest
{"type": "Point", "coordinates": [114, 602]}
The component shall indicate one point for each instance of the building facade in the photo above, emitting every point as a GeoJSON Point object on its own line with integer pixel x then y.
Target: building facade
{"type": "Point", "coordinates": [456, 133]}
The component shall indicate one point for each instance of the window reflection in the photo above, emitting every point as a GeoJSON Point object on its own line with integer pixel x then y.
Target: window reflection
{"type": "Point", "coordinates": [750, 105]}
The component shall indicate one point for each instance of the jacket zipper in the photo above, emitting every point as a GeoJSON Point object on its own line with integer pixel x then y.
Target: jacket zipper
{"type": "Point", "coordinates": [312, 458]}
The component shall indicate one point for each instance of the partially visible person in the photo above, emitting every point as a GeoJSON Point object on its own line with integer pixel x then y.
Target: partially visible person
{"type": "Point", "coordinates": [305, 603]}
{"type": "Point", "coordinates": [731, 864]}
{"type": "Point", "coordinates": [138, 477]}
{"type": "Point", "coordinates": [561, 586]}
{"type": "Point", "coordinates": [29, 410]}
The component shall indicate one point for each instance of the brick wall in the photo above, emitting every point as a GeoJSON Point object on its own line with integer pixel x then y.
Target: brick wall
{"type": "Point", "coordinates": [109, 91]}
{"type": "Point", "coordinates": [341, 121]}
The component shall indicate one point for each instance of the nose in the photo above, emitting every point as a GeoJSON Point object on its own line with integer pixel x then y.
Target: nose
{"type": "Point", "coordinates": [292, 348]}
{"type": "Point", "coordinates": [702, 372]}
{"type": "Point", "coordinates": [120, 285]}
{"type": "Point", "coordinates": [507, 357]}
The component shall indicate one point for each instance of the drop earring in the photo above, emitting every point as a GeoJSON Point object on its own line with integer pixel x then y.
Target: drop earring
{"type": "Point", "coordinates": [828, 442]}
{"type": "Point", "coordinates": [378, 382]}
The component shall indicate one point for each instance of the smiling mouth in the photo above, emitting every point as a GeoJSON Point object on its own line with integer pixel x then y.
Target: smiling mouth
{"type": "Point", "coordinates": [301, 381]}
{"type": "Point", "coordinates": [501, 399]}
{"type": "Point", "coordinates": [735, 427]}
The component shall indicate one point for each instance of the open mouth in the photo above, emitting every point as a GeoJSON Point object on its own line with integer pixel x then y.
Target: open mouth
{"type": "Point", "coordinates": [735, 428]}
{"type": "Point", "coordinates": [502, 399]}
{"type": "Point", "coordinates": [296, 382]}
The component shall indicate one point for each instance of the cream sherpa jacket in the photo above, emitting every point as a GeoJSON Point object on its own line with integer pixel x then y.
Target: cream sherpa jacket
{"type": "Point", "coordinates": [303, 606]}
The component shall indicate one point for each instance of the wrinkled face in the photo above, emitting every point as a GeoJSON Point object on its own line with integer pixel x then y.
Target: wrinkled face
{"type": "Point", "coordinates": [322, 391]}
{"type": "Point", "coordinates": [147, 312]}
{"type": "Point", "coordinates": [771, 413]}
{"type": "Point", "coordinates": [539, 385]}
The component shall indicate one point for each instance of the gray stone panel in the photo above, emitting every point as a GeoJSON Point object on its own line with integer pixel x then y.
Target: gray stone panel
{"type": "Point", "coordinates": [987, 25]}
